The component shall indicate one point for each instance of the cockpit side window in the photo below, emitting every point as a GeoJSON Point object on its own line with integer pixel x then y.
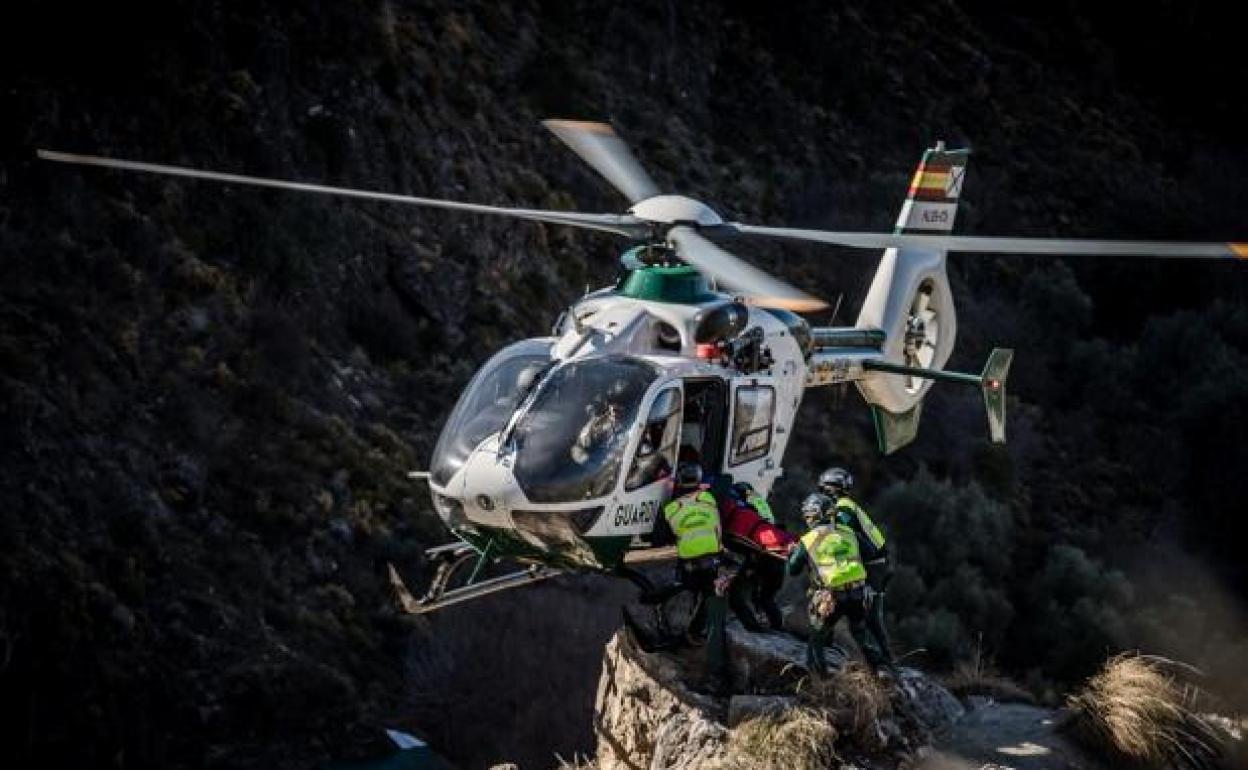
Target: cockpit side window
{"type": "Point", "coordinates": [487, 403]}
{"type": "Point", "coordinates": [751, 423]}
{"type": "Point", "coordinates": [656, 453]}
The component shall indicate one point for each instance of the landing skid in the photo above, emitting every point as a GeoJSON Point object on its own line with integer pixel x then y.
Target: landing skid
{"type": "Point", "coordinates": [534, 574]}
{"type": "Point", "coordinates": [456, 558]}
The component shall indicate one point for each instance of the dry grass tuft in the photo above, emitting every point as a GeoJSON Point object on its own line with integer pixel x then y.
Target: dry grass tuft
{"type": "Point", "coordinates": [975, 678]}
{"type": "Point", "coordinates": [796, 739]}
{"type": "Point", "coordinates": [854, 700]}
{"type": "Point", "coordinates": [1138, 711]}
{"type": "Point", "coordinates": [578, 762]}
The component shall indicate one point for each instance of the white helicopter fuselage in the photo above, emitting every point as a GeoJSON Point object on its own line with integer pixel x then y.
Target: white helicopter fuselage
{"type": "Point", "coordinates": [691, 402]}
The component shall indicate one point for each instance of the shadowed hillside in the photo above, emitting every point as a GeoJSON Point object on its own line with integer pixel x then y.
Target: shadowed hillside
{"type": "Point", "coordinates": [209, 396]}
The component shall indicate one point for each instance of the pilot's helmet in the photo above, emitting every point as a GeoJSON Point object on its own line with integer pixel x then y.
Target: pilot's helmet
{"type": "Point", "coordinates": [524, 380]}
{"type": "Point", "coordinates": [618, 389]}
{"type": "Point", "coordinates": [688, 475]}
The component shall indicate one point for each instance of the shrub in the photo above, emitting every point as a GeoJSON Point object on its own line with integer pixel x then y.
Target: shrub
{"type": "Point", "coordinates": [954, 547]}
{"type": "Point", "coordinates": [977, 677]}
{"type": "Point", "coordinates": [797, 739]}
{"type": "Point", "coordinates": [1137, 711]}
{"type": "Point", "coordinates": [1076, 610]}
{"type": "Point", "coordinates": [853, 701]}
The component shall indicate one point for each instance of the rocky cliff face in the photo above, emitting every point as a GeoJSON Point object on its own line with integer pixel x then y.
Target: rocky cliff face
{"type": "Point", "coordinates": [649, 715]}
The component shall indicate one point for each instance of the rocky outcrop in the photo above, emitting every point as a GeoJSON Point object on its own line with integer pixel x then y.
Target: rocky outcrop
{"type": "Point", "coordinates": [646, 715]}
{"type": "Point", "coordinates": [650, 714]}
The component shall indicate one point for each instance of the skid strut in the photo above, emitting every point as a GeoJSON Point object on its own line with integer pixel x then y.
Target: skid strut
{"type": "Point", "coordinates": [454, 558]}
{"type": "Point", "coordinates": [533, 574]}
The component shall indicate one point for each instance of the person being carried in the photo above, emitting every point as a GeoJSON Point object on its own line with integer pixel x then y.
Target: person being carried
{"type": "Point", "coordinates": [838, 581]}
{"type": "Point", "coordinates": [703, 567]}
{"type": "Point", "coordinates": [752, 533]}
{"type": "Point", "coordinates": [837, 483]}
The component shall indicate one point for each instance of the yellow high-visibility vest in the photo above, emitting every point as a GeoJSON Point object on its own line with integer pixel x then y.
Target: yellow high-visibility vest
{"type": "Point", "coordinates": [694, 519]}
{"type": "Point", "coordinates": [833, 553]}
{"type": "Point", "coordinates": [873, 532]}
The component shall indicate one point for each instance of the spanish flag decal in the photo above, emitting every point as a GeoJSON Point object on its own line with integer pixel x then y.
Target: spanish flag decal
{"type": "Point", "coordinates": [932, 201]}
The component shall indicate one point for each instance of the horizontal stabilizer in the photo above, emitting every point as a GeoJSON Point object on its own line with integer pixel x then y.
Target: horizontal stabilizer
{"type": "Point", "coordinates": [894, 430]}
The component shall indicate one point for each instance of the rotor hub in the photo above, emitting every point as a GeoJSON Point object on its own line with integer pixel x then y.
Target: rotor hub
{"type": "Point", "coordinates": [675, 209]}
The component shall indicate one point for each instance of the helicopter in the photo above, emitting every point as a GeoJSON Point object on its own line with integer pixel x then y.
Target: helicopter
{"type": "Point", "coordinates": [560, 451]}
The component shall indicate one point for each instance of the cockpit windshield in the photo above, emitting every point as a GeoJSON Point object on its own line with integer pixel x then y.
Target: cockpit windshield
{"type": "Point", "coordinates": [487, 403]}
{"type": "Point", "coordinates": [570, 442]}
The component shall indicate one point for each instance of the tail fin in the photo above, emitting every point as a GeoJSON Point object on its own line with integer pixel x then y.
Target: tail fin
{"type": "Point", "coordinates": [910, 300]}
{"type": "Point", "coordinates": [992, 383]}
{"type": "Point", "coordinates": [932, 202]}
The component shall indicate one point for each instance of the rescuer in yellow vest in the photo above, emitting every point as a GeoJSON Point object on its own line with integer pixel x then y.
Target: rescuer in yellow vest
{"type": "Point", "coordinates": [837, 483]}
{"type": "Point", "coordinates": [838, 580]}
{"type": "Point", "coordinates": [703, 567]}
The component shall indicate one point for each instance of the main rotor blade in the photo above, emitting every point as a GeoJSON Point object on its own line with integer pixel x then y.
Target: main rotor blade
{"type": "Point", "coordinates": [611, 223]}
{"type": "Point", "coordinates": [599, 146]}
{"type": "Point", "coordinates": [1171, 249]}
{"type": "Point", "coordinates": [759, 287]}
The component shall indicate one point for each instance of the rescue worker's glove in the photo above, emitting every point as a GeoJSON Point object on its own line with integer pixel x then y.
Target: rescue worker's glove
{"type": "Point", "coordinates": [822, 604]}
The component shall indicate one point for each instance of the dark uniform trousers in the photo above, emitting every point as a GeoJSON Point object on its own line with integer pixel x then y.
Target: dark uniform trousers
{"type": "Point", "coordinates": [710, 615]}
{"type": "Point", "coordinates": [879, 573]}
{"type": "Point", "coordinates": [850, 604]}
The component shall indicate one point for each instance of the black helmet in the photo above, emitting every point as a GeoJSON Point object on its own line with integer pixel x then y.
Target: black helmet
{"type": "Point", "coordinates": [688, 475]}
{"type": "Point", "coordinates": [817, 509]}
{"type": "Point", "coordinates": [835, 481]}
{"type": "Point", "coordinates": [743, 490]}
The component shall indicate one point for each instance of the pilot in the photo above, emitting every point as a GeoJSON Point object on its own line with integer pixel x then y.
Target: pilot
{"type": "Point", "coordinates": [525, 380]}
{"type": "Point", "coordinates": [836, 483]}
{"type": "Point", "coordinates": [838, 581]}
{"type": "Point", "coordinates": [652, 465]}
{"type": "Point", "coordinates": [703, 567]}
{"type": "Point", "coordinates": [603, 423]}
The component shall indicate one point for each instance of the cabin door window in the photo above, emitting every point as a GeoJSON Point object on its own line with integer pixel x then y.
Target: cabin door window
{"type": "Point", "coordinates": [703, 423]}
{"type": "Point", "coordinates": [753, 413]}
